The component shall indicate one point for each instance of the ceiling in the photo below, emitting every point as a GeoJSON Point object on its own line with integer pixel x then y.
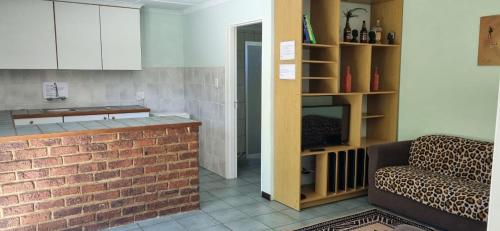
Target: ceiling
{"type": "Point", "coordinates": [167, 4]}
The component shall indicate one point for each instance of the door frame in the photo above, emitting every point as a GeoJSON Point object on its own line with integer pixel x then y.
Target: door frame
{"type": "Point", "coordinates": [249, 44]}
{"type": "Point", "coordinates": [231, 89]}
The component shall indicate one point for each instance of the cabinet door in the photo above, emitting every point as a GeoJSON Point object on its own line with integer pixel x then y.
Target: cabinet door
{"type": "Point", "coordinates": [68, 119]}
{"type": "Point", "coordinates": [27, 35]}
{"type": "Point", "coordinates": [47, 120]}
{"type": "Point", "coordinates": [78, 36]}
{"type": "Point", "coordinates": [129, 115]}
{"type": "Point", "coordinates": [121, 38]}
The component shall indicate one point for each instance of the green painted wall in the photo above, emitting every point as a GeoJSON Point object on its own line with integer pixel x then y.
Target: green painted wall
{"type": "Point", "coordinates": [162, 38]}
{"type": "Point", "coordinates": [443, 90]}
{"type": "Point", "coordinates": [206, 30]}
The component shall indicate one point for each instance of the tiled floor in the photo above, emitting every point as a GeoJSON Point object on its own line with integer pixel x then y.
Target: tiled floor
{"type": "Point", "coordinates": [238, 205]}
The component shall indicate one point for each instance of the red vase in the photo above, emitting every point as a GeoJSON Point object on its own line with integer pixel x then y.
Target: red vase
{"type": "Point", "coordinates": [348, 80]}
{"type": "Point", "coordinates": [376, 80]}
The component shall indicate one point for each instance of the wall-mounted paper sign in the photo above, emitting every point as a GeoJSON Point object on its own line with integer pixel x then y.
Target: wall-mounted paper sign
{"type": "Point", "coordinates": [287, 50]}
{"type": "Point", "coordinates": [287, 71]}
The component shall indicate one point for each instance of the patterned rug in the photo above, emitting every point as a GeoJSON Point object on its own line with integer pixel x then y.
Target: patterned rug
{"type": "Point", "coordinates": [372, 220]}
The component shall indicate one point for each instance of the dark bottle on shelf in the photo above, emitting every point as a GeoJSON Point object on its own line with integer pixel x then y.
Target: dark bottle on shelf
{"type": "Point", "coordinates": [347, 32]}
{"type": "Point", "coordinates": [364, 33]}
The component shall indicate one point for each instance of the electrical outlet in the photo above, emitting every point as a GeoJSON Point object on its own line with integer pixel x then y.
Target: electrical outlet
{"type": "Point", "coordinates": [139, 96]}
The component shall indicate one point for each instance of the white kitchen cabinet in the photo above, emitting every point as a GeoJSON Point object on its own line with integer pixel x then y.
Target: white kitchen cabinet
{"type": "Point", "coordinates": [27, 35]}
{"type": "Point", "coordinates": [68, 119]}
{"type": "Point", "coordinates": [129, 115]}
{"type": "Point", "coordinates": [121, 38]}
{"type": "Point", "coordinates": [46, 120]}
{"type": "Point", "coordinates": [78, 32]}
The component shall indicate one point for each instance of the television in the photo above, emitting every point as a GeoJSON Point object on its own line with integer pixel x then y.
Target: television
{"type": "Point", "coordinates": [325, 125]}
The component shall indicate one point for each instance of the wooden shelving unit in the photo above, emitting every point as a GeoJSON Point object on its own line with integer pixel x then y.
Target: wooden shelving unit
{"type": "Point", "coordinates": [340, 172]}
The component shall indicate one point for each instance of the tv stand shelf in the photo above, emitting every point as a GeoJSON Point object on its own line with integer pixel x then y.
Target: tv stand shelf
{"type": "Point", "coordinates": [340, 172]}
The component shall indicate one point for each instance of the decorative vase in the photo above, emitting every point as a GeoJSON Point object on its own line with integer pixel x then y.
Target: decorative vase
{"type": "Point", "coordinates": [376, 80]}
{"type": "Point", "coordinates": [348, 80]}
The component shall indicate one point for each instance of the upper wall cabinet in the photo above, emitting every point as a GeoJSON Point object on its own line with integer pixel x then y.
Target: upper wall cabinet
{"type": "Point", "coordinates": [121, 38]}
{"type": "Point", "coordinates": [69, 34]}
{"type": "Point", "coordinates": [27, 36]}
{"type": "Point", "coordinates": [78, 36]}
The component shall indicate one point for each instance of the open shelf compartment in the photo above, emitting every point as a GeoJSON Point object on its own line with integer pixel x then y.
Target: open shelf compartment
{"type": "Point", "coordinates": [314, 184]}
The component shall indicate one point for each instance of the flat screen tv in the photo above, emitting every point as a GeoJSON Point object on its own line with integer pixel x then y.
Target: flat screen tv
{"type": "Point", "coordinates": [326, 125]}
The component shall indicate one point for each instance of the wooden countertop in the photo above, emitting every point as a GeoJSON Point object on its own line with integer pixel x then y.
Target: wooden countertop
{"type": "Point", "coordinates": [81, 111]}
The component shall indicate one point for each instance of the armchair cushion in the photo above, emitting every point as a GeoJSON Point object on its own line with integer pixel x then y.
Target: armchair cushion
{"type": "Point", "coordinates": [451, 194]}
{"type": "Point", "coordinates": [453, 156]}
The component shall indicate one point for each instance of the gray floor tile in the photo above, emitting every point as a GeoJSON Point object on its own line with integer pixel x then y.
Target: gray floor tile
{"type": "Point", "coordinates": [170, 226]}
{"type": "Point", "coordinates": [246, 189]}
{"type": "Point", "coordinates": [276, 205]}
{"type": "Point", "coordinates": [239, 201]}
{"type": "Point", "coordinates": [226, 192]}
{"type": "Point", "coordinates": [185, 214]}
{"type": "Point", "coordinates": [300, 216]}
{"type": "Point", "coordinates": [326, 209]}
{"type": "Point", "coordinates": [228, 215]}
{"type": "Point", "coordinates": [206, 196]}
{"type": "Point", "coordinates": [198, 221]}
{"type": "Point", "coordinates": [256, 209]}
{"type": "Point", "coordinates": [129, 227]}
{"type": "Point", "coordinates": [211, 206]}
{"type": "Point", "coordinates": [215, 228]}
{"type": "Point", "coordinates": [154, 221]}
{"type": "Point", "coordinates": [246, 225]}
{"type": "Point", "coordinates": [275, 219]}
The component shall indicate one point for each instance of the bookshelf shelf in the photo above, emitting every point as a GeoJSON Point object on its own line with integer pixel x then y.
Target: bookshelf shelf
{"type": "Point", "coordinates": [318, 45]}
{"type": "Point", "coordinates": [368, 44]}
{"type": "Point", "coordinates": [373, 115]}
{"type": "Point", "coordinates": [318, 78]}
{"type": "Point", "coordinates": [318, 62]}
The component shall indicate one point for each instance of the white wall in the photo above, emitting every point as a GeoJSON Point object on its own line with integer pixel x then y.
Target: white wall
{"type": "Point", "coordinates": [494, 205]}
{"type": "Point", "coordinates": [206, 42]}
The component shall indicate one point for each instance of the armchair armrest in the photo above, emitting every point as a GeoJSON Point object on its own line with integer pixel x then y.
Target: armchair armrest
{"type": "Point", "coordinates": [385, 155]}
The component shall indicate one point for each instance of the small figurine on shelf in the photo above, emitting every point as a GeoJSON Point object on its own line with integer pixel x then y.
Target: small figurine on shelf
{"type": "Point", "coordinates": [391, 38]}
{"type": "Point", "coordinates": [373, 37]}
{"type": "Point", "coordinates": [348, 80]}
{"type": "Point", "coordinates": [355, 34]}
{"type": "Point", "coordinates": [347, 29]}
{"type": "Point", "coordinates": [375, 83]}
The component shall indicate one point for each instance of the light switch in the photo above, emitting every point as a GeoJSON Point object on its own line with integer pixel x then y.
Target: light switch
{"type": "Point", "coordinates": [139, 96]}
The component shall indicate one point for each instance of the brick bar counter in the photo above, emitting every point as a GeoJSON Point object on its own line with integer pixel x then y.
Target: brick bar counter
{"type": "Point", "coordinates": [100, 178]}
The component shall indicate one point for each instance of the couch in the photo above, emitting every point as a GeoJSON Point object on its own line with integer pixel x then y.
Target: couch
{"type": "Point", "coordinates": [443, 181]}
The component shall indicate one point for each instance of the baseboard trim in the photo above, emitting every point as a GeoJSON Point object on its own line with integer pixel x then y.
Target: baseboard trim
{"type": "Point", "coordinates": [266, 196]}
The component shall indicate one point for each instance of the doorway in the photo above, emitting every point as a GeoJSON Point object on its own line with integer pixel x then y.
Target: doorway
{"type": "Point", "coordinates": [249, 100]}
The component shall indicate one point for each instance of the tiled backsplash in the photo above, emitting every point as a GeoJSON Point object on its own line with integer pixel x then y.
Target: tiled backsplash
{"type": "Point", "coordinates": [191, 90]}
{"type": "Point", "coordinates": [163, 88]}
{"type": "Point", "coordinates": [204, 96]}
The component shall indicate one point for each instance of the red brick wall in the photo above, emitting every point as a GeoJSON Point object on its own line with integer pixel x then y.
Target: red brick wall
{"type": "Point", "coordinates": [90, 182]}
